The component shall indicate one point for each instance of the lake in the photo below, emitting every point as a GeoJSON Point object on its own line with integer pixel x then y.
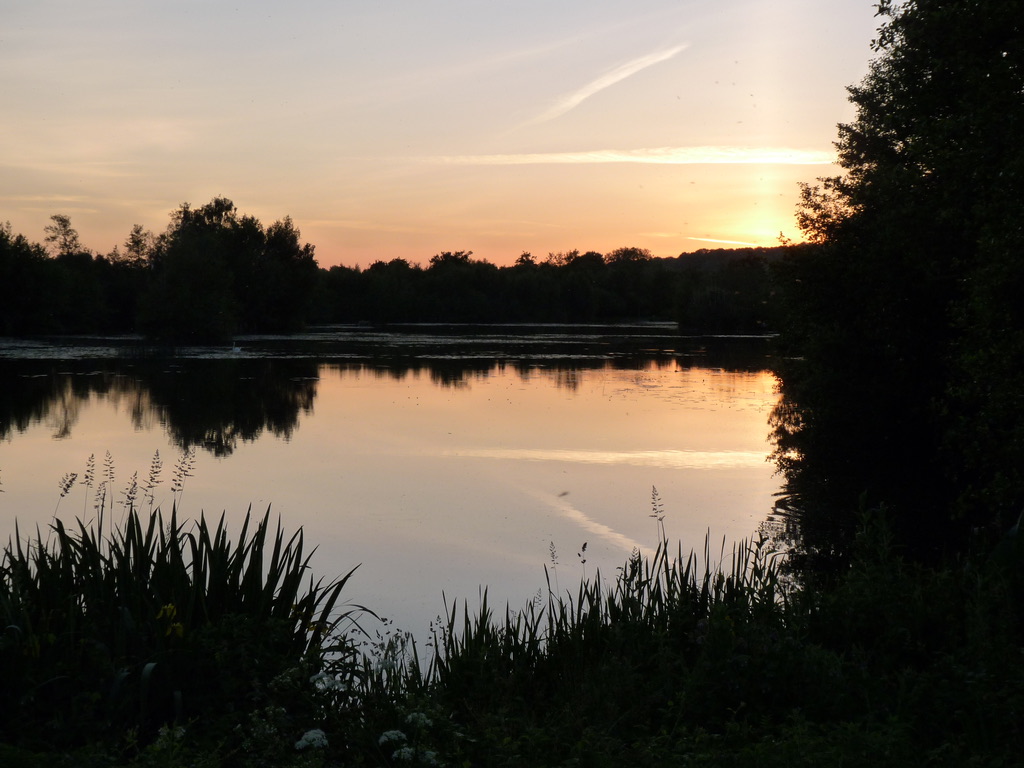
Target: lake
{"type": "Point", "coordinates": [440, 460]}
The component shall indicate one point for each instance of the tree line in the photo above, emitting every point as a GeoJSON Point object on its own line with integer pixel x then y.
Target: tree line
{"type": "Point", "coordinates": [727, 291]}
{"type": "Point", "coordinates": [214, 273]}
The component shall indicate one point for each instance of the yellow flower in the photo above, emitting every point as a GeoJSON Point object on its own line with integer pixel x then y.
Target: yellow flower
{"type": "Point", "coordinates": [169, 612]}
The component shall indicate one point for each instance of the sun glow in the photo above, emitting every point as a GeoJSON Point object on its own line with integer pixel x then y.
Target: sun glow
{"type": "Point", "coordinates": [565, 125]}
{"type": "Point", "coordinates": [710, 155]}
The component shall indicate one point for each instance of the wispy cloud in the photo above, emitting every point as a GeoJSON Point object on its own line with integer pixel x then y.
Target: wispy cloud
{"type": "Point", "coordinates": [44, 199]}
{"type": "Point", "coordinates": [723, 242]}
{"type": "Point", "coordinates": [362, 225]}
{"type": "Point", "coordinates": [572, 100]}
{"type": "Point", "coordinates": [82, 169]}
{"type": "Point", "coordinates": [656, 155]}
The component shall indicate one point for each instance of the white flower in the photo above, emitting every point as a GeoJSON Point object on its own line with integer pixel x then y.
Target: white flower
{"type": "Point", "coordinates": [388, 736]}
{"type": "Point", "coordinates": [326, 682]}
{"type": "Point", "coordinates": [314, 738]}
{"type": "Point", "coordinates": [413, 755]}
{"type": "Point", "coordinates": [177, 733]}
{"type": "Point", "coordinates": [418, 720]}
{"type": "Point", "coordinates": [405, 754]}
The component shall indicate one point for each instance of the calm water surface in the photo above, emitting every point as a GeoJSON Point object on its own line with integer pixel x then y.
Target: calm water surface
{"type": "Point", "coordinates": [437, 462]}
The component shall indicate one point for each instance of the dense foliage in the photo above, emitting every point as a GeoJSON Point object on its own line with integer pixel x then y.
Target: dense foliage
{"type": "Point", "coordinates": [905, 315]}
{"type": "Point", "coordinates": [215, 273]}
{"type": "Point", "coordinates": [212, 274]}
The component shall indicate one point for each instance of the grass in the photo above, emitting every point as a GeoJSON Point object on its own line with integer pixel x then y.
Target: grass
{"type": "Point", "coordinates": [111, 635]}
{"type": "Point", "coordinates": [152, 644]}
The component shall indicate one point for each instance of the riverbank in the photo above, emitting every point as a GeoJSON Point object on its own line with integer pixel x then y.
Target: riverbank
{"type": "Point", "coordinates": [665, 660]}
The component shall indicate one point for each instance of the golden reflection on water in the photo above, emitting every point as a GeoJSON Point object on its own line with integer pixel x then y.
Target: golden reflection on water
{"type": "Point", "coordinates": [659, 459]}
{"type": "Point", "coordinates": [437, 488]}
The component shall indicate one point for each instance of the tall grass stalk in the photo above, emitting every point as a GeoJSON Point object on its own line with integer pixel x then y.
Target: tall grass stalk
{"type": "Point", "coordinates": [152, 622]}
{"type": "Point", "coordinates": [659, 596]}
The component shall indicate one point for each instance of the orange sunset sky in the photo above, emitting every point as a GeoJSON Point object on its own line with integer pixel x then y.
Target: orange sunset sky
{"type": "Point", "coordinates": [400, 128]}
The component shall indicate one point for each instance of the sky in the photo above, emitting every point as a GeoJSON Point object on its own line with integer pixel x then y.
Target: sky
{"type": "Point", "coordinates": [402, 128]}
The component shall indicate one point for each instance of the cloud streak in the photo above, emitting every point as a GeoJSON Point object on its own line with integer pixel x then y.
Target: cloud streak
{"type": "Point", "coordinates": [706, 155]}
{"type": "Point", "coordinates": [587, 523]}
{"type": "Point", "coordinates": [670, 459]}
{"type": "Point", "coordinates": [572, 100]}
{"type": "Point", "coordinates": [725, 242]}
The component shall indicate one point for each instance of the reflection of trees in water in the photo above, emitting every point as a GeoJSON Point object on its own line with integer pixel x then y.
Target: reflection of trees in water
{"type": "Point", "coordinates": [803, 537]}
{"type": "Point", "coordinates": [54, 393]}
{"type": "Point", "coordinates": [455, 373]}
{"type": "Point", "coordinates": [566, 372]}
{"type": "Point", "coordinates": [65, 408]}
{"type": "Point", "coordinates": [216, 403]}
{"type": "Point", "coordinates": [39, 394]}
{"type": "Point", "coordinates": [211, 404]}
{"type": "Point", "coordinates": [857, 446]}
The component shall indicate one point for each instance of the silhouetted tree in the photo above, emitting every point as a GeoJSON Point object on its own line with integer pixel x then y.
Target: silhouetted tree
{"type": "Point", "coordinates": [582, 279]}
{"type": "Point", "coordinates": [25, 275]}
{"type": "Point", "coordinates": [628, 255]}
{"type": "Point", "coordinates": [192, 292]}
{"type": "Point", "coordinates": [392, 292]}
{"type": "Point", "coordinates": [905, 312]}
{"type": "Point", "coordinates": [447, 259]}
{"type": "Point", "coordinates": [62, 236]}
{"type": "Point", "coordinates": [282, 281]}
{"type": "Point", "coordinates": [217, 273]}
{"type": "Point", "coordinates": [138, 247]}
{"type": "Point", "coordinates": [77, 284]}
{"type": "Point", "coordinates": [630, 293]}
{"type": "Point", "coordinates": [459, 289]}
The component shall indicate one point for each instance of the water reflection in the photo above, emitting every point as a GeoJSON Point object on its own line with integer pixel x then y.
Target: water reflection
{"type": "Point", "coordinates": [666, 459]}
{"type": "Point", "coordinates": [439, 467]}
{"type": "Point", "coordinates": [216, 402]}
{"type": "Point", "coordinates": [208, 404]}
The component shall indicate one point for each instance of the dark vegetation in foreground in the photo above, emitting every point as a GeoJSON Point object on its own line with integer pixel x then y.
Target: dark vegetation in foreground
{"type": "Point", "coordinates": [160, 644]}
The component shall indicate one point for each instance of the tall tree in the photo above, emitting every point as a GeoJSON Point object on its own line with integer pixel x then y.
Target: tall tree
{"type": "Point", "coordinates": [138, 247]}
{"type": "Point", "coordinates": [217, 273]}
{"type": "Point", "coordinates": [287, 276]}
{"type": "Point", "coordinates": [906, 313]}
{"type": "Point", "coordinates": [192, 293]}
{"type": "Point", "coordinates": [25, 290]}
{"type": "Point", "coordinates": [62, 236]}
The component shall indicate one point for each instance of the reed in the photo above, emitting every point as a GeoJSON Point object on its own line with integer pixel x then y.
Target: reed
{"type": "Point", "coordinates": [152, 623]}
{"type": "Point", "coordinates": [170, 645]}
{"type": "Point", "coordinates": [663, 595]}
